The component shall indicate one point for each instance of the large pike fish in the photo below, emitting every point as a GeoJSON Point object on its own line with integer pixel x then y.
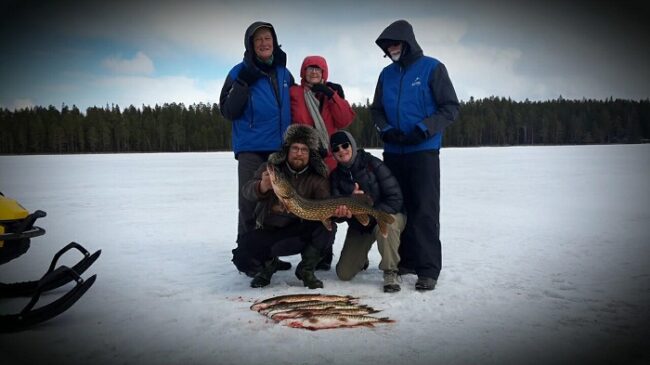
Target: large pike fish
{"type": "Point", "coordinates": [304, 312]}
{"type": "Point", "coordinates": [293, 298]}
{"type": "Point", "coordinates": [319, 322]}
{"type": "Point", "coordinates": [322, 210]}
{"type": "Point", "coordinates": [271, 311]}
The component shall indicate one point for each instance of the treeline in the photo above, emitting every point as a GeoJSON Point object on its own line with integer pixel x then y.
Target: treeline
{"type": "Point", "coordinates": [201, 127]}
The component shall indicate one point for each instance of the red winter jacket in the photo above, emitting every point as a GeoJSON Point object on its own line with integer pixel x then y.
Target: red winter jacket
{"type": "Point", "coordinates": [336, 112]}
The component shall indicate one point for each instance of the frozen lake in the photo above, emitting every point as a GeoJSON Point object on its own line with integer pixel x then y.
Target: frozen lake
{"type": "Point", "coordinates": [545, 260]}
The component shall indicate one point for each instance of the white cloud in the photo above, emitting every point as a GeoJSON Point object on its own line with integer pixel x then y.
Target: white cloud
{"type": "Point", "coordinates": [139, 90]}
{"type": "Point", "coordinates": [140, 64]}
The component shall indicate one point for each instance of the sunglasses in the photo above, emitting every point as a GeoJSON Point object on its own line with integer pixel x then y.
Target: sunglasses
{"type": "Point", "coordinates": [345, 146]}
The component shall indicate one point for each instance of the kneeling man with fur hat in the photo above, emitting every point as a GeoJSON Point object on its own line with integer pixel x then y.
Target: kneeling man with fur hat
{"type": "Point", "coordinates": [281, 233]}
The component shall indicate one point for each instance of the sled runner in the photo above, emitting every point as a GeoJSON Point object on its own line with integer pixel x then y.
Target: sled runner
{"type": "Point", "coordinates": [16, 229]}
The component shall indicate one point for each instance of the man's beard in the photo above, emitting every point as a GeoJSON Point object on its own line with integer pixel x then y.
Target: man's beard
{"type": "Point", "coordinates": [297, 164]}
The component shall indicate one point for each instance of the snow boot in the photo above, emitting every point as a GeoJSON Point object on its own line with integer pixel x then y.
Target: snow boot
{"type": "Point", "coordinates": [425, 283]}
{"type": "Point", "coordinates": [263, 278]}
{"type": "Point", "coordinates": [305, 269]}
{"type": "Point", "coordinates": [391, 284]}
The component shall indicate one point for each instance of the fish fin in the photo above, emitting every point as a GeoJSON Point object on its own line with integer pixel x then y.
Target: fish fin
{"type": "Point", "coordinates": [384, 217]}
{"type": "Point", "coordinates": [362, 218]}
{"type": "Point", "coordinates": [327, 223]}
{"type": "Point", "coordinates": [383, 229]}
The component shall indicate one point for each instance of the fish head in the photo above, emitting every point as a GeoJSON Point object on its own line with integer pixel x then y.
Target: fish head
{"type": "Point", "coordinates": [281, 187]}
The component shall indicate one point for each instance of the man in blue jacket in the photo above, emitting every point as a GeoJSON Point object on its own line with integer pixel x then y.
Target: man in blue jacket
{"type": "Point", "coordinates": [255, 97]}
{"type": "Point", "coordinates": [414, 101]}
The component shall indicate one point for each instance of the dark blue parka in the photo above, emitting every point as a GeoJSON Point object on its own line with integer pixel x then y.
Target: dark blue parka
{"type": "Point", "coordinates": [260, 113]}
{"type": "Point", "coordinates": [414, 92]}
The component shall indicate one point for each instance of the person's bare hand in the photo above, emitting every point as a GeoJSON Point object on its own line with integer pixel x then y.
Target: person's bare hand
{"type": "Point", "coordinates": [357, 190]}
{"type": "Point", "coordinates": [265, 184]}
{"type": "Point", "coordinates": [342, 211]}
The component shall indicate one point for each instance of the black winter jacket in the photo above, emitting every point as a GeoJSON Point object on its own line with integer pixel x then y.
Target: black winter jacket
{"type": "Point", "coordinates": [374, 178]}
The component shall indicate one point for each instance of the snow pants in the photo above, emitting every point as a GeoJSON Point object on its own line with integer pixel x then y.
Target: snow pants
{"type": "Point", "coordinates": [266, 243]}
{"type": "Point", "coordinates": [248, 163]}
{"type": "Point", "coordinates": [354, 254]}
{"type": "Point", "coordinates": [418, 175]}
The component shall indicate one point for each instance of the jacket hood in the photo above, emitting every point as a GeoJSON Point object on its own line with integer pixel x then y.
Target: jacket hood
{"type": "Point", "coordinates": [316, 61]}
{"type": "Point", "coordinates": [300, 133]}
{"type": "Point", "coordinates": [279, 57]}
{"type": "Point", "coordinates": [402, 31]}
{"type": "Point", "coordinates": [343, 136]}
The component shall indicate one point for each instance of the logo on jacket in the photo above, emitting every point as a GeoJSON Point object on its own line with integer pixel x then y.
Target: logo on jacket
{"type": "Point", "coordinates": [285, 84]}
{"type": "Point", "coordinates": [416, 82]}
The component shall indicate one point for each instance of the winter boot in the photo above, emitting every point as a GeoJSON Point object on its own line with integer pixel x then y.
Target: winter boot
{"type": "Point", "coordinates": [263, 278]}
{"type": "Point", "coordinates": [425, 283]}
{"type": "Point", "coordinates": [305, 269]}
{"type": "Point", "coordinates": [391, 284]}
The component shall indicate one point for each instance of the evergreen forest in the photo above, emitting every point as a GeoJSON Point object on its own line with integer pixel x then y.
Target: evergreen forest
{"type": "Point", "coordinates": [175, 127]}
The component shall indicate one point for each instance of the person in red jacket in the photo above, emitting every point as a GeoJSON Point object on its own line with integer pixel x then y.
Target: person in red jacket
{"type": "Point", "coordinates": [322, 105]}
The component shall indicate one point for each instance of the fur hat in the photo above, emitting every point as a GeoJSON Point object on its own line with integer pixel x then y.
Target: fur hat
{"type": "Point", "coordinates": [300, 133]}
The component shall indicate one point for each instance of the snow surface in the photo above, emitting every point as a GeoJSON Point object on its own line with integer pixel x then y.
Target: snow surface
{"type": "Point", "coordinates": [546, 253]}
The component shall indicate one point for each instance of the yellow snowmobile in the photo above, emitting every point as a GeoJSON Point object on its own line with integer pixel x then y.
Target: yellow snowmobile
{"type": "Point", "coordinates": [16, 230]}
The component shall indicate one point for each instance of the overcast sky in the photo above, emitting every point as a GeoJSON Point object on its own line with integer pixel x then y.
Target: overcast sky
{"type": "Point", "coordinates": [135, 52]}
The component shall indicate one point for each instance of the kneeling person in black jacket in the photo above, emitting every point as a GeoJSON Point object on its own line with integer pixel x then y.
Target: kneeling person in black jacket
{"type": "Point", "coordinates": [359, 172]}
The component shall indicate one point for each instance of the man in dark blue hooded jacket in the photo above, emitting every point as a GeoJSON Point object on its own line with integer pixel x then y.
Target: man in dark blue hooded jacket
{"type": "Point", "coordinates": [255, 97]}
{"type": "Point", "coordinates": [414, 101]}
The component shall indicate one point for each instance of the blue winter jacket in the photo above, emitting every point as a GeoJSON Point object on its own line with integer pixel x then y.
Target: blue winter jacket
{"type": "Point", "coordinates": [407, 101]}
{"type": "Point", "coordinates": [266, 116]}
{"type": "Point", "coordinates": [414, 92]}
{"type": "Point", "coordinates": [260, 112]}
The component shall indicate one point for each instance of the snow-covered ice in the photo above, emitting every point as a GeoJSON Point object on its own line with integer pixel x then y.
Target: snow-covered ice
{"type": "Point", "coordinates": [546, 256]}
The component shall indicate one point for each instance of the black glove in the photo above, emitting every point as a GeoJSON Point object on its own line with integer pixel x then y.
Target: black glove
{"type": "Point", "coordinates": [322, 151]}
{"type": "Point", "coordinates": [393, 135]}
{"type": "Point", "coordinates": [337, 88]}
{"type": "Point", "coordinates": [322, 88]}
{"type": "Point", "coordinates": [416, 136]}
{"type": "Point", "coordinates": [249, 75]}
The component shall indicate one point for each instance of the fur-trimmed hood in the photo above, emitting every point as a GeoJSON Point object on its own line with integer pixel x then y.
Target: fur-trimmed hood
{"type": "Point", "coordinates": [300, 133]}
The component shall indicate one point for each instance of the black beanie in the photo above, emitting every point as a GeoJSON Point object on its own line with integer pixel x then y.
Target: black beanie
{"type": "Point", "coordinates": [338, 138]}
{"type": "Point", "coordinates": [341, 137]}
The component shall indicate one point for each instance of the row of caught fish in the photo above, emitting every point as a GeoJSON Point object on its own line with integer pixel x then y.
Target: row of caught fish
{"type": "Point", "coordinates": [318, 311]}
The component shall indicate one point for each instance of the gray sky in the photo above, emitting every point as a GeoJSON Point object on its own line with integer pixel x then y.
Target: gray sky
{"type": "Point", "coordinates": [133, 52]}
